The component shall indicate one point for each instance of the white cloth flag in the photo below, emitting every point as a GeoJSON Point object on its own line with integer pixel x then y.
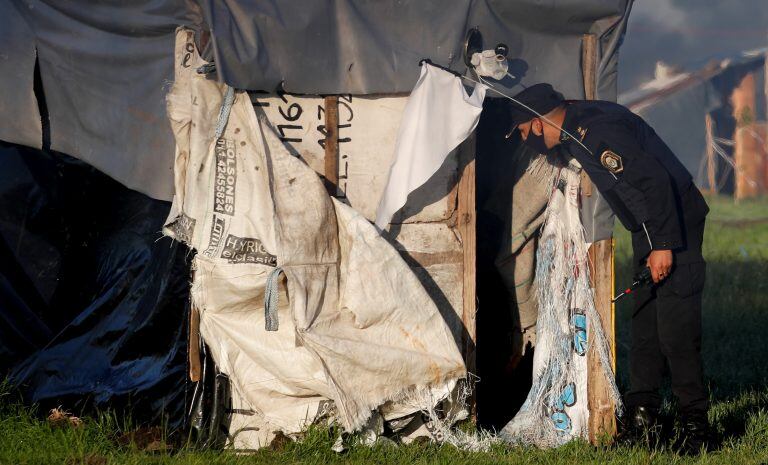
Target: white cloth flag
{"type": "Point", "coordinates": [438, 117]}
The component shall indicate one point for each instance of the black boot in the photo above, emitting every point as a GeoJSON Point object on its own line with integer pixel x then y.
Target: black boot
{"type": "Point", "coordinates": [642, 426]}
{"type": "Point", "coordinates": [694, 435]}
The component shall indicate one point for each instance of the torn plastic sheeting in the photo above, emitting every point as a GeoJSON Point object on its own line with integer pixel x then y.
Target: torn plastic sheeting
{"type": "Point", "coordinates": [126, 348]}
{"type": "Point", "coordinates": [21, 330]}
{"type": "Point", "coordinates": [356, 326]}
{"type": "Point", "coordinates": [116, 301]}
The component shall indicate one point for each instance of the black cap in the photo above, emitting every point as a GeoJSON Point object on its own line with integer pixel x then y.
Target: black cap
{"type": "Point", "coordinates": [542, 98]}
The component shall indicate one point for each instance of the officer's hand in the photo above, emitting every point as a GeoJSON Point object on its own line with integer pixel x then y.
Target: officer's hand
{"type": "Point", "coordinates": [660, 263]}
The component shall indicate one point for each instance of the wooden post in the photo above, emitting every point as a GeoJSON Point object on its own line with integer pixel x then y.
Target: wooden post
{"type": "Point", "coordinates": [193, 345]}
{"type": "Point", "coordinates": [602, 421]}
{"type": "Point", "coordinates": [744, 147]}
{"type": "Point", "coordinates": [467, 223]}
{"type": "Point", "coordinates": [332, 145]}
{"type": "Point", "coordinates": [589, 65]}
{"type": "Point", "coordinates": [588, 69]}
{"type": "Point", "coordinates": [711, 161]}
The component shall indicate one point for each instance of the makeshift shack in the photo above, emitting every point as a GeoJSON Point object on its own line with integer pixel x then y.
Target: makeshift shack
{"type": "Point", "coordinates": [332, 78]}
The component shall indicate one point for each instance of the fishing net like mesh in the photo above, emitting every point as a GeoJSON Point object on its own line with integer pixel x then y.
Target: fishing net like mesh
{"type": "Point", "coordinates": [556, 410]}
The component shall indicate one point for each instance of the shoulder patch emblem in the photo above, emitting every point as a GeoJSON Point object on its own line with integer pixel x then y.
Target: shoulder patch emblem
{"type": "Point", "coordinates": [612, 162]}
{"type": "Point", "coordinates": [564, 136]}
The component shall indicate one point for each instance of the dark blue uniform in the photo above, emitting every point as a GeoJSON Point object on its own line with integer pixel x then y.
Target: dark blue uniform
{"type": "Point", "coordinates": [654, 197]}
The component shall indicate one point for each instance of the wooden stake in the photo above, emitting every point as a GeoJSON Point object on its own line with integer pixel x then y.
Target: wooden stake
{"type": "Point", "coordinates": [467, 222]}
{"type": "Point", "coordinates": [332, 145]}
{"type": "Point", "coordinates": [193, 345]}
{"type": "Point", "coordinates": [711, 161]}
{"type": "Point", "coordinates": [602, 421]}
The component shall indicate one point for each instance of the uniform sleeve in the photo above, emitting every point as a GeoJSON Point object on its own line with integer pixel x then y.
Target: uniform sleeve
{"type": "Point", "coordinates": [656, 208]}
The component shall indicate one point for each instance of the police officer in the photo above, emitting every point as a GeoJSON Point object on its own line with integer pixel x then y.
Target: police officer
{"type": "Point", "coordinates": [654, 197]}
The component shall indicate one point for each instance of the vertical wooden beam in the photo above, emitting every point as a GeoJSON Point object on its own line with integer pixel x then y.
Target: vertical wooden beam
{"type": "Point", "coordinates": [588, 69]}
{"type": "Point", "coordinates": [193, 344]}
{"type": "Point", "coordinates": [602, 421]}
{"type": "Point", "coordinates": [613, 305]}
{"type": "Point", "coordinates": [467, 223]}
{"type": "Point", "coordinates": [589, 65]}
{"type": "Point", "coordinates": [744, 156]}
{"type": "Point", "coordinates": [331, 171]}
{"type": "Point", "coordinates": [711, 161]}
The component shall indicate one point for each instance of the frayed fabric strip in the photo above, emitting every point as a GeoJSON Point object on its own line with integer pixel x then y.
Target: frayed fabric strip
{"type": "Point", "coordinates": [271, 295]}
{"type": "Point", "coordinates": [226, 108]}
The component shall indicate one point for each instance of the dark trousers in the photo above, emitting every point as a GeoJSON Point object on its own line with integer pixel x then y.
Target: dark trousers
{"type": "Point", "coordinates": [666, 332]}
{"type": "Point", "coordinates": [666, 323]}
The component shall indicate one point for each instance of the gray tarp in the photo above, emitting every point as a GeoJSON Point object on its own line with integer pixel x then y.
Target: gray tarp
{"type": "Point", "coordinates": [19, 115]}
{"type": "Point", "coordinates": [369, 47]}
{"type": "Point", "coordinates": [105, 69]}
{"type": "Point", "coordinates": [105, 66]}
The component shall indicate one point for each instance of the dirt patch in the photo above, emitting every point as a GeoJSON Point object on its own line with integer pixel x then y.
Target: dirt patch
{"type": "Point", "coordinates": [88, 459]}
{"type": "Point", "coordinates": [279, 442]}
{"type": "Point", "coordinates": [149, 439]}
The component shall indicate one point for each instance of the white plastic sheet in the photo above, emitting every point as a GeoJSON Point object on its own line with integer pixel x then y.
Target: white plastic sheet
{"type": "Point", "coordinates": [438, 117]}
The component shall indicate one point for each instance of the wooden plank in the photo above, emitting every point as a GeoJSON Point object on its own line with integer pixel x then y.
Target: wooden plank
{"type": "Point", "coordinates": [586, 184]}
{"type": "Point", "coordinates": [602, 420]}
{"type": "Point", "coordinates": [193, 345]}
{"type": "Point", "coordinates": [589, 65]}
{"type": "Point", "coordinates": [613, 304]}
{"type": "Point", "coordinates": [332, 145]}
{"type": "Point", "coordinates": [466, 225]}
{"type": "Point", "coordinates": [367, 131]}
{"type": "Point", "coordinates": [588, 69]}
{"type": "Point", "coordinates": [469, 245]}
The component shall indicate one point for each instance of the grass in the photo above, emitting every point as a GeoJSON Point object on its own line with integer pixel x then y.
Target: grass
{"type": "Point", "coordinates": [735, 320]}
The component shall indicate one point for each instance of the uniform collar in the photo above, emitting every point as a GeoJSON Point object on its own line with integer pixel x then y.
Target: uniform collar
{"type": "Point", "coordinates": [571, 122]}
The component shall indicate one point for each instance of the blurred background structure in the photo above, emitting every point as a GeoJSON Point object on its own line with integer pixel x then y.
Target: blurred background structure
{"type": "Point", "coordinates": [695, 70]}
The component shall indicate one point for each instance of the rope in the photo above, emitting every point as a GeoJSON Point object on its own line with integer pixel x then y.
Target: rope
{"type": "Point", "coordinates": [719, 150]}
{"type": "Point", "coordinates": [271, 294]}
{"type": "Point", "coordinates": [226, 107]}
{"type": "Point", "coordinates": [539, 115]}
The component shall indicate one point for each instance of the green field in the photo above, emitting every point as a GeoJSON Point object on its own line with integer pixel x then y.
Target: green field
{"type": "Point", "coordinates": [736, 361]}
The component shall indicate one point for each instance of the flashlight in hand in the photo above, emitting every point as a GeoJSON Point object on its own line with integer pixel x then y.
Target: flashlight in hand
{"type": "Point", "coordinates": [641, 279]}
